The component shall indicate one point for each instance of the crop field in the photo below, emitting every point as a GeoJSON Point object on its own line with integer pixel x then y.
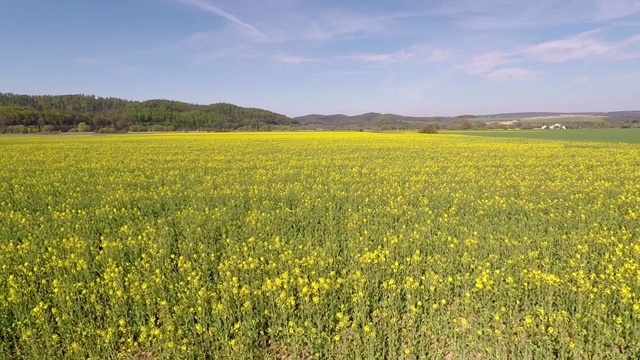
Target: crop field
{"type": "Point", "coordinates": [543, 119]}
{"type": "Point", "coordinates": [598, 135]}
{"type": "Point", "coordinates": [318, 245]}
{"type": "Point", "coordinates": [562, 119]}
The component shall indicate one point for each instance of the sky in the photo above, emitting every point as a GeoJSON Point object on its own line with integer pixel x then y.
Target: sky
{"type": "Point", "coordinates": [298, 57]}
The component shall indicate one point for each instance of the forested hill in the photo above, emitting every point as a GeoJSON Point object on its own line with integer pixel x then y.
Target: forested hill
{"type": "Point", "coordinates": [26, 113]}
{"type": "Point", "coordinates": [368, 120]}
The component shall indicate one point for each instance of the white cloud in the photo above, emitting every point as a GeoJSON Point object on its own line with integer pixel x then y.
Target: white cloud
{"type": "Point", "coordinates": [514, 73]}
{"type": "Point", "coordinates": [323, 24]}
{"type": "Point", "coordinates": [488, 66]}
{"type": "Point", "coordinates": [581, 46]}
{"type": "Point", "coordinates": [415, 52]}
{"type": "Point", "coordinates": [399, 56]}
{"type": "Point", "coordinates": [340, 73]}
{"type": "Point", "coordinates": [499, 14]}
{"type": "Point", "coordinates": [439, 55]}
{"type": "Point", "coordinates": [245, 27]}
{"type": "Point", "coordinates": [320, 22]}
{"type": "Point", "coordinates": [575, 47]}
{"type": "Point", "coordinates": [295, 59]}
{"type": "Point", "coordinates": [428, 54]}
{"type": "Point", "coordinates": [330, 25]}
{"type": "Point", "coordinates": [630, 41]}
{"type": "Point", "coordinates": [614, 9]}
{"type": "Point", "coordinates": [485, 63]}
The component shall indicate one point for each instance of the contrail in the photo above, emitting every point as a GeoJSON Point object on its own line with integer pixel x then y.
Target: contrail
{"type": "Point", "coordinates": [204, 5]}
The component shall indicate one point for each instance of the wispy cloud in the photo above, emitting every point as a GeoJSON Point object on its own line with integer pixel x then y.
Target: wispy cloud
{"type": "Point", "coordinates": [500, 14]}
{"type": "Point", "coordinates": [417, 53]}
{"type": "Point", "coordinates": [339, 73]}
{"type": "Point", "coordinates": [571, 48]}
{"type": "Point", "coordinates": [514, 73]}
{"type": "Point", "coordinates": [321, 23]}
{"type": "Point", "coordinates": [438, 55]}
{"type": "Point", "coordinates": [343, 72]}
{"type": "Point", "coordinates": [295, 59]}
{"type": "Point", "coordinates": [387, 58]}
{"type": "Point", "coordinates": [488, 65]}
{"type": "Point", "coordinates": [485, 63]}
{"type": "Point", "coordinates": [330, 25]}
{"type": "Point", "coordinates": [308, 22]}
{"type": "Point", "coordinates": [581, 46]}
{"type": "Point", "coordinates": [628, 42]}
{"type": "Point", "coordinates": [420, 53]}
{"type": "Point", "coordinates": [247, 28]}
{"type": "Point", "coordinates": [615, 9]}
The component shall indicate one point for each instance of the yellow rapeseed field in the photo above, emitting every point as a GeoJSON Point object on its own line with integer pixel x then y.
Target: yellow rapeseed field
{"type": "Point", "coordinates": [318, 245]}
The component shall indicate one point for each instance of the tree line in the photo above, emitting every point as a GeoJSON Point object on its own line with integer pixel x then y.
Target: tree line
{"type": "Point", "coordinates": [27, 113]}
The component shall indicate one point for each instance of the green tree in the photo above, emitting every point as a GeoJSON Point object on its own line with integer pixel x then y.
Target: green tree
{"type": "Point", "coordinates": [68, 111]}
{"type": "Point", "coordinates": [83, 127]}
{"type": "Point", "coordinates": [430, 128]}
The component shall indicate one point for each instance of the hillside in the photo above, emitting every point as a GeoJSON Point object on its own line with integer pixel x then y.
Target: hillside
{"type": "Point", "coordinates": [368, 120]}
{"type": "Point", "coordinates": [524, 115]}
{"type": "Point", "coordinates": [46, 113]}
{"type": "Point", "coordinates": [521, 119]}
{"type": "Point", "coordinates": [64, 112]}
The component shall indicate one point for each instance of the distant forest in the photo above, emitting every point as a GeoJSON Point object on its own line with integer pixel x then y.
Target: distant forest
{"type": "Point", "coordinates": [26, 113]}
{"type": "Point", "coordinates": [87, 113]}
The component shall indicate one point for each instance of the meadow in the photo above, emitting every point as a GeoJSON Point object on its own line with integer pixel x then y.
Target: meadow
{"type": "Point", "coordinates": [619, 135]}
{"type": "Point", "coordinates": [544, 119]}
{"type": "Point", "coordinates": [318, 245]}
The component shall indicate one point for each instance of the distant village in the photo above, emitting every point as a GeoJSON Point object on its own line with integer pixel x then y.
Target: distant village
{"type": "Point", "coordinates": [554, 127]}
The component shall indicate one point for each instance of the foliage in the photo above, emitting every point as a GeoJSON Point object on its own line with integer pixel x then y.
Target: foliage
{"type": "Point", "coordinates": [83, 127]}
{"type": "Point", "coordinates": [67, 111]}
{"type": "Point", "coordinates": [107, 130]}
{"type": "Point", "coordinates": [318, 245]}
{"type": "Point", "coordinates": [47, 129]}
{"type": "Point", "coordinates": [17, 129]}
{"type": "Point", "coordinates": [462, 123]}
{"type": "Point", "coordinates": [368, 120]}
{"type": "Point", "coordinates": [428, 129]}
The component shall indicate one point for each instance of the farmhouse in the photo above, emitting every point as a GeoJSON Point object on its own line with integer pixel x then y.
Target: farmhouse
{"type": "Point", "coordinates": [556, 126]}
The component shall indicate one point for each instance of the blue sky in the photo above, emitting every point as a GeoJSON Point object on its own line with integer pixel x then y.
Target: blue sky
{"type": "Point", "coordinates": [296, 57]}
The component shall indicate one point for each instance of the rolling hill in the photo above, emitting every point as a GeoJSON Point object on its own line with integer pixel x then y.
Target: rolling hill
{"type": "Point", "coordinates": [377, 120]}
{"type": "Point", "coordinates": [368, 120]}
